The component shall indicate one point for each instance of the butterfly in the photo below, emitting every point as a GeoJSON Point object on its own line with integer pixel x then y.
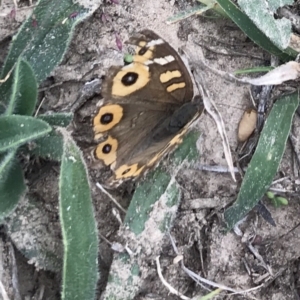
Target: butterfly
{"type": "Point", "coordinates": [147, 108]}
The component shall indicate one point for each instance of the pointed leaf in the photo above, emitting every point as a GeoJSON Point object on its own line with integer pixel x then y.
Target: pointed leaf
{"type": "Point", "coordinates": [265, 160]}
{"type": "Point", "coordinates": [80, 270]}
{"type": "Point", "coordinates": [12, 185]}
{"type": "Point", "coordinates": [49, 146]}
{"type": "Point", "coordinates": [18, 130]}
{"type": "Point", "coordinates": [57, 119]}
{"type": "Point", "coordinates": [45, 36]}
{"type": "Point", "coordinates": [23, 93]}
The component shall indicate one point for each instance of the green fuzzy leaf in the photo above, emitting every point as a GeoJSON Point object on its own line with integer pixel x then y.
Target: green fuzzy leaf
{"type": "Point", "coordinates": [45, 36]}
{"type": "Point", "coordinates": [23, 92]}
{"type": "Point", "coordinates": [42, 41]}
{"type": "Point", "coordinates": [57, 119]}
{"type": "Point", "coordinates": [79, 230]}
{"type": "Point", "coordinates": [49, 146]}
{"type": "Point", "coordinates": [250, 29]}
{"type": "Point", "coordinates": [18, 130]}
{"type": "Point", "coordinates": [12, 186]}
{"type": "Point", "coordinates": [6, 160]}
{"type": "Point", "coordinates": [266, 159]}
{"type": "Point", "coordinates": [187, 150]}
{"type": "Point", "coordinates": [143, 199]}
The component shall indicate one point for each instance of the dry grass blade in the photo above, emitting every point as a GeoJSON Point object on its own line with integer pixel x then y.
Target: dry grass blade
{"type": "Point", "coordinates": [110, 196]}
{"type": "Point", "coordinates": [211, 107]}
{"type": "Point", "coordinates": [215, 114]}
{"type": "Point", "coordinates": [3, 292]}
{"type": "Point", "coordinates": [200, 280]}
{"type": "Point", "coordinates": [166, 284]}
{"type": "Point", "coordinates": [277, 76]}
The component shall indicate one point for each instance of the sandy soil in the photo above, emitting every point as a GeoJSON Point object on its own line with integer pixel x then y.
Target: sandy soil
{"type": "Point", "coordinates": [224, 259]}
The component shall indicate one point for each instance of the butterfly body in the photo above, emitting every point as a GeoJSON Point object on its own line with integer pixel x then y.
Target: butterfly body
{"type": "Point", "coordinates": [147, 108]}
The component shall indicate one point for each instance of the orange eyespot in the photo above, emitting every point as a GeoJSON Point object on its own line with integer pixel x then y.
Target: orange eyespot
{"type": "Point", "coordinates": [129, 79]}
{"type": "Point", "coordinates": [107, 151]}
{"type": "Point", "coordinates": [126, 171]}
{"type": "Point", "coordinates": [108, 117]}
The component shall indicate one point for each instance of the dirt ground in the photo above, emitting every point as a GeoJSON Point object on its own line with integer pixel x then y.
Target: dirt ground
{"type": "Point", "coordinates": [224, 259]}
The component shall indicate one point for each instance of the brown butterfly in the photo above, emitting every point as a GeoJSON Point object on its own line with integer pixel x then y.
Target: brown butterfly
{"type": "Point", "coordinates": [147, 108]}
